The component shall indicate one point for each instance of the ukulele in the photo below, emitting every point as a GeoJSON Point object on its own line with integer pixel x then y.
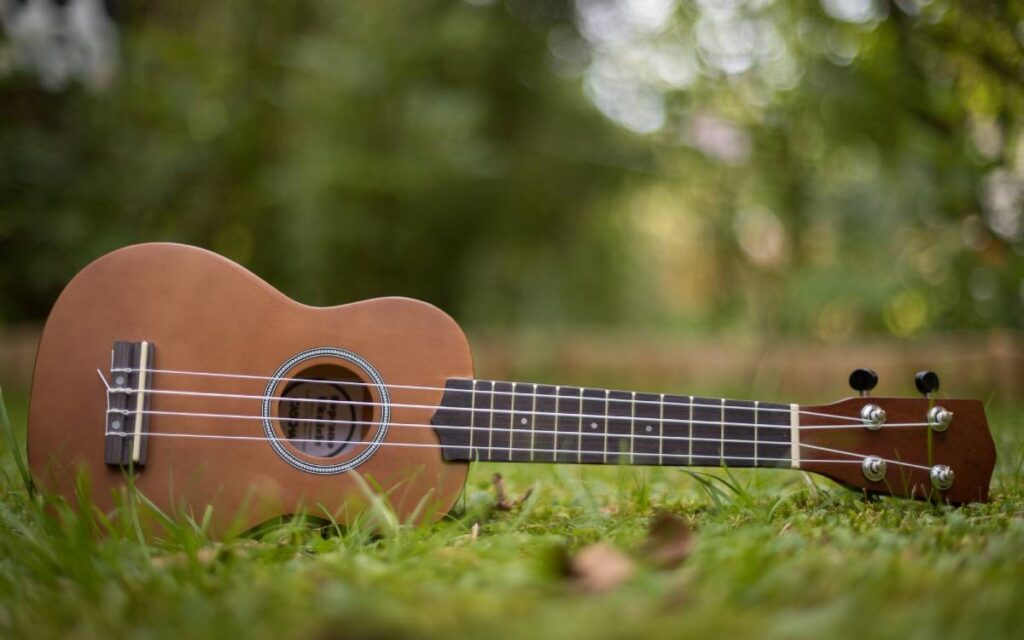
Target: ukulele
{"type": "Point", "coordinates": [179, 371]}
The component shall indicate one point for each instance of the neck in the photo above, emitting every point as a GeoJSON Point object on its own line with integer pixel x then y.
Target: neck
{"type": "Point", "coordinates": [525, 422]}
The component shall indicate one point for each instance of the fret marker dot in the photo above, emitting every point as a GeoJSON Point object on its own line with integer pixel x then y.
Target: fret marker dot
{"type": "Point", "coordinates": [522, 420]}
{"type": "Point", "coordinates": [648, 428]}
{"type": "Point", "coordinates": [593, 425]}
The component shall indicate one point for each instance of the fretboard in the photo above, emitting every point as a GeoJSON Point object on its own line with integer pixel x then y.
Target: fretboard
{"type": "Point", "coordinates": [525, 422]}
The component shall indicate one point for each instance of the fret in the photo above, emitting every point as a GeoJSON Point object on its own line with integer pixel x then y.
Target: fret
{"type": "Point", "coordinates": [568, 424]}
{"type": "Point", "coordinates": [472, 414]}
{"type": "Point", "coordinates": [721, 436]}
{"type": "Point", "coordinates": [706, 432]}
{"type": "Point", "coordinates": [592, 433]}
{"type": "Point", "coordinates": [490, 424]}
{"type": "Point", "coordinates": [647, 429]}
{"type": "Point", "coordinates": [676, 443]}
{"type": "Point", "coordinates": [619, 425]}
{"type": "Point", "coordinates": [757, 411]}
{"type": "Point", "coordinates": [738, 418]}
{"type": "Point", "coordinates": [533, 423]}
{"type": "Point", "coordinates": [545, 408]}
{"type": "Point", "coordinates": [773, 444]}
{"type": "Point", "coordinates": [481, 418]}
{"type": "Point", "coordinates": [520, 423]}
{"type": "Point", "coordinates": [501, 421]}
{"type": "Point", "coordinates": [661, 429]}
{"type": "Point", "coordinates": [633, 429]}
{"type": "Point", "coordinates": [604, 442]}
{"type": "Point", "coordinates": [689, 430]}
{"type": "Point", "coordinates": [579, 450]}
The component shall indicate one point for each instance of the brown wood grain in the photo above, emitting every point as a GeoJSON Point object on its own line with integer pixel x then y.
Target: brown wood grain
{"type": "Point", "coordinates": [966, 447]}
{"type": "Point", "coordinates": [205, 313]}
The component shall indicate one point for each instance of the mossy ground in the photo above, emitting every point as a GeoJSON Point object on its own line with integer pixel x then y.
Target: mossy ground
{"type": "Point", "coordinates": [776, 554]}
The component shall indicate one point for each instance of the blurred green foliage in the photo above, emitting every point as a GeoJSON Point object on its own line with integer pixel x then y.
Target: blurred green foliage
{"type": "Point", "coordinates": [827, 168]}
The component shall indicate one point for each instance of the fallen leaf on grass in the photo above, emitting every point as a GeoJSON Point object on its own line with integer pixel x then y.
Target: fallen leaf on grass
{"type": "Point", "coordinates": [599, 567]}
{"type": "Point", "coordinates": [669, 540]}
{"type": "Point", "coordinates": [203, 556]}
{"type": "Point", "coordinates": [501, 502]}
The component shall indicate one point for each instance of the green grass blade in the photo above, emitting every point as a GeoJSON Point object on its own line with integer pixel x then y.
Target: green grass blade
{"type": "Point", "coordinates": [14, 446]}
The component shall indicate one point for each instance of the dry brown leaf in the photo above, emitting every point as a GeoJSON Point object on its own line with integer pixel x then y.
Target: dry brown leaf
{"type": "Point", "coordinates": [205, 555]}
{"type": "Point", "coordinates": [669, 540]}
{"type": "Point", "coordinates": [599, 567]}
{"type": "Point", "coordinates": [501, 502]}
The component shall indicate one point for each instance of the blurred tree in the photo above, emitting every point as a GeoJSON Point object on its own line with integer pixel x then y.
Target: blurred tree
{"type": "Point", "coordinates": [341, 150]}
{"type": "Point", "coordinates": [845, 166]}
{"type": "Point", "coordinates": [831, 167]}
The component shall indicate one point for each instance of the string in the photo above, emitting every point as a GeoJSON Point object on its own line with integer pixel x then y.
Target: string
{"type": "Point", "coordinates": [510, 430]}
{"type": "Point", "coordinates": [510, 411]}
{"type": "Point", "coordinates": [492, 391]}
{"type": "Point", "coordinates": [720, 458]}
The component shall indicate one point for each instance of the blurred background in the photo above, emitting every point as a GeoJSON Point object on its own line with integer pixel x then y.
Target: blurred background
{"type": "Point", "coordinates": [724, 195]}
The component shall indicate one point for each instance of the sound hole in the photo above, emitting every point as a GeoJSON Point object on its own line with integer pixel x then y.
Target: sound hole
{"type": "Point", "coordinates": [324, 410]}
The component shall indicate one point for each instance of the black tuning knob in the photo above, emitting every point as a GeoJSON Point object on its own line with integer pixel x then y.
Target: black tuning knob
{"type": "Point", "coordinates": [927, 382]}
{"type": "Point", "coordinates": [863, 380]}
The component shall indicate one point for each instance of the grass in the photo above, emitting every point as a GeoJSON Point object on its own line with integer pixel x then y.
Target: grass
{"type": "Point", "coordinates": [776, 554]}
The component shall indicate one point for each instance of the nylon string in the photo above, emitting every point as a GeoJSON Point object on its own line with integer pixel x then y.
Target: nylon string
{"type": "Point", "coordinates": [491, 430]}
{"type": "Point", "coordinates": [493, 392]}
{"type": "Point", "coordinates": [421, 445]}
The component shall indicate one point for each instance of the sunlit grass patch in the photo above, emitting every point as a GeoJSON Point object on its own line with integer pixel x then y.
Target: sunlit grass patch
{"type": "Point", "coordinates": [774, 553]}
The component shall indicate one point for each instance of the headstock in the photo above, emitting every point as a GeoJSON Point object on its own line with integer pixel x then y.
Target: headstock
{"type": "Point", "coordinates": [922, 448]}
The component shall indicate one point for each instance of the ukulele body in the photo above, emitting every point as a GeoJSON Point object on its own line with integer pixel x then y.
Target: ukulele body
{"type": "Point", "coordinates": [204, 313]}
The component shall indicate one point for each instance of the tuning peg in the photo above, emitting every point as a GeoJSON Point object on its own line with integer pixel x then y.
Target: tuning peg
{"type": "Point", "coordinates": [927, 382]}
{"type": "Point", "coordinates": [863, 380]}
